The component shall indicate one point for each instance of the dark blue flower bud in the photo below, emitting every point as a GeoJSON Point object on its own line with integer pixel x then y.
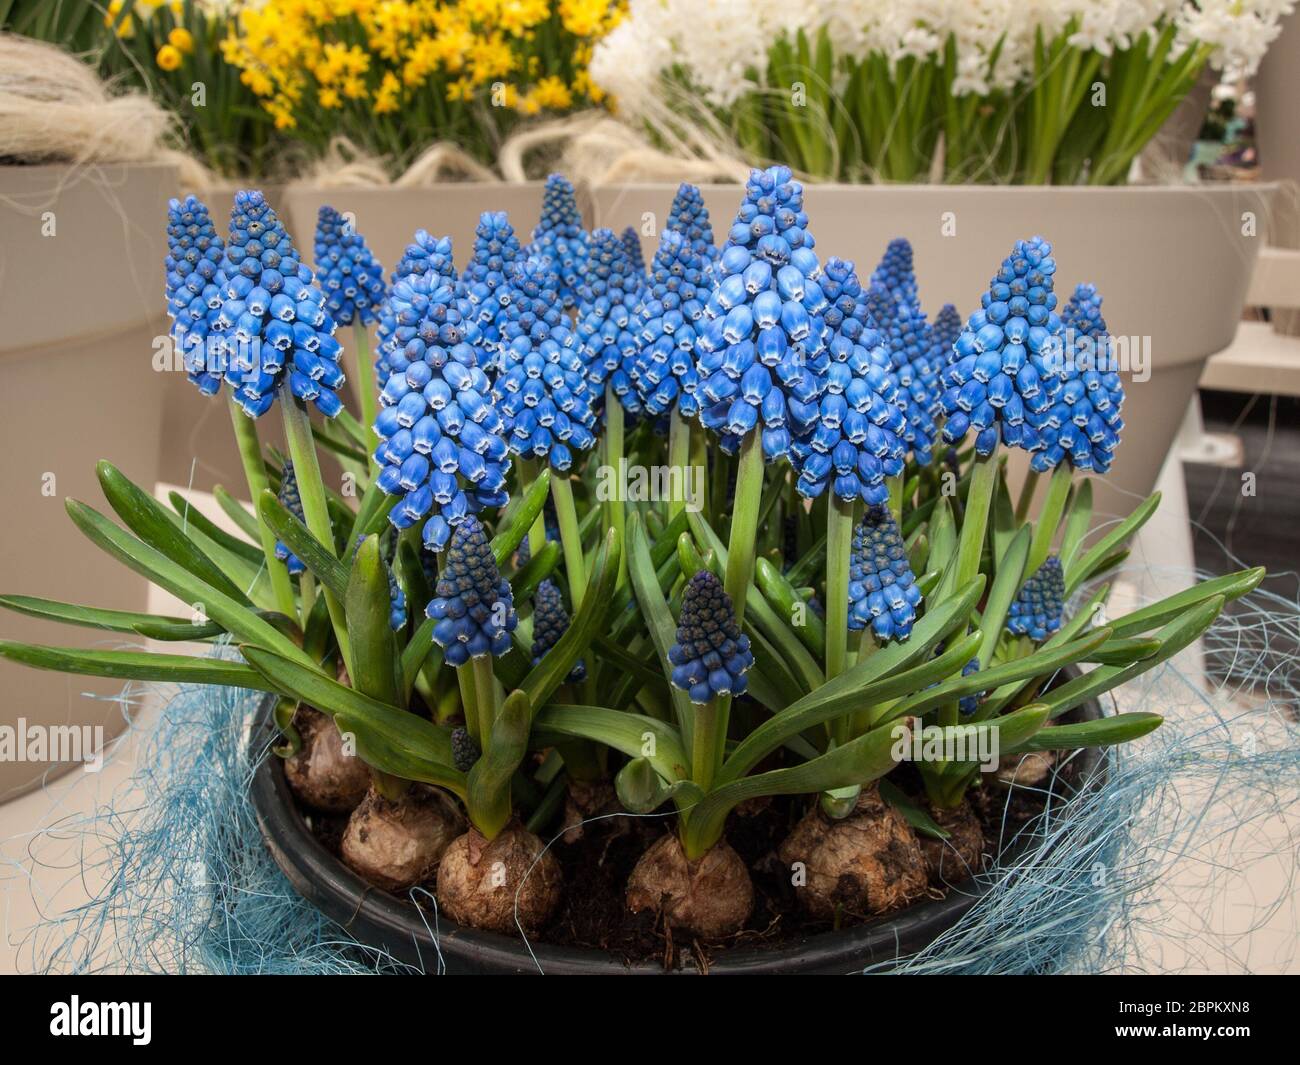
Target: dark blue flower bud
{"type": "Point", "coordinates": [559, 236]}
{"type": "Point", "coordinates": [484, 280]}
{"type": "Point", "coordinates": [550, 622]}
{"type": "Point", "coordinates": [711, 655]}
{"type": "Point", "coordinates": [1036, 613]}
{"type": "Point", "coordinates": [351, 277]}
{"type": "Point", "coordinates": [473, 606]}
{"type": "Point", "coordinates": [292, 502]}
{"type": "Point", "coordinates": [882, 587]}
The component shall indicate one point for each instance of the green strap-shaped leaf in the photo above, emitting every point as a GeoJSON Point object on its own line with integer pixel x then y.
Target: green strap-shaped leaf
{"type": "Point", "coordinates": [1233, 586]}
{"type": "Point", "coordinates": [236, 512]}
{"type": "Point", "coordinates": [1006, 586]}
{"type": "Point", "coordinates": [137, 665]}
{"type": "Point", "coordinates": [371, 515]}
{"type": "Point", "coordinates": [1103, 732]}
{"type": "Point", "coordinates": [191, 515]}
{"type": "Point", "coordinates": [1091, 560]}
{"type": "Point", "coordinates": [635, 735]}
{"type": "Point", "coordinates": [332, 573]}
{"type": "Point", "coordinates": [784, 599]}
{"type": "Point", "coordinates": [539, 567]}
{"type": "Point", "coordinates": [1077, 520]}
{"type": "Point", "coordinates": [379, 750]}
{"type": "Point", "coordinates": [86, 616]}
{"type": "Point", "coordinates": [419, 649]}
{"type": "Point", "coordinates": [519, 519]}
{"type": "Point", "coordinates": [488, 798]}
{"type": "Point", "coordinates": [367, 606]}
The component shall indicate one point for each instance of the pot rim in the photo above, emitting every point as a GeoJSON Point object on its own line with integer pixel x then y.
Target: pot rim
{"type": "Point", "coordinates": [419, 937]}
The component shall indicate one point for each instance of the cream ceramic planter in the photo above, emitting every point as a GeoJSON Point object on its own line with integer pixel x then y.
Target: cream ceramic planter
{"type": "Point", "coordinates": [1172, 263]}
{"type": "Point", "coordinates": [81, 303]}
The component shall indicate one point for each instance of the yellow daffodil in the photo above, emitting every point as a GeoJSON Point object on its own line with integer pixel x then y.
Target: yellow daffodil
{"type": "Point", "coordinates": [181, 39]}
{"type": "Point", "coordinates": [168, 57]}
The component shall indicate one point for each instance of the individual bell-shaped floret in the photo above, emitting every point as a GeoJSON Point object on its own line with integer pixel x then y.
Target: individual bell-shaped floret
{"type": "Point", "coordinates": [484, 279]}
{"type": "Point", "coordinates": [711, 655]}
{"type": "Point", "coordinates": [1004, 376]}
{"type": "Point", "coordinates": [607, 319]}
{"type": "Point", "coordinates": [442, 444]}
{"type": "Point", "coordinates": [278, 329]}
{"type": "Point", "coordinates": [292, 502]}
{"type": "Point", "coordinates": [1036, 612]}
{"type": "Point", "coordinates": [882, 587]}
{"type": "Point", "coordinates": [559, 236]}
{"type": "Point", "coordinates": [349, 274]}
{"type": "Point", "coordinates": [424, 255]}
{"type": "Point", "coordinates": [472, 605]}
{"type": "Point", "coordinates": [541, 385]}
{"type": "Point", "coordinates": [550, 622]}
{"type": "Point", "coordinates": [665, 372]}
{"type": "Point", "coordinates": [896, 273]}
{"type": "Point", "coordinates": [908, 342]}
{"type": "Point", "coordinates": [689, 217]}
{"type": "Point", "coordinates": [859, 438]}
{"type": "Point", "coordinates": [194, 280]}
{"type": "Point", "coordinates": [764, 327]}
{"type": "Point", "coordinates": [1083, 424]}
{"type": "Point", "coordinates": [631, 241]}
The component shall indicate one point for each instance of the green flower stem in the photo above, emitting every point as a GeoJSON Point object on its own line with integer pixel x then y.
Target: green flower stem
{"type": "Point", "coordinates": [369, 395]}
{"type": "Point", "coordinates": [614, 460]}
{"type": "Point", "coordinates": [679, 456]}
{"type": "Point", "coordinates": [744, 522]}
{"type": "Point", "coordinates": [485, 691]}
{"type": "Point", "coordinates": [570, 539]}
{"type": "Point", "coordinates": [839, 543]}
{"type": "Point", "coordinates": [700, 460]}
{"type": "Point", "coordinates": [250, 453]}
{"type": "Point", "coordinates": [978, 502]}
{"type": "Point", "coordinates": [895, 486]}
{"type": "Point", "coordinates": [537, 531]}
{"type": "Point", "coordinates": [1058, 491]}
{"type": "Point", "coordinates": [297, 430]}
{"type": "Point", "coordinates": [707, 742]}
{"type": "Point", "coordinates": [867, 647]}
{"type": "Point", "coordinates": [469, 702]}
{"type": "Point", "coordinates": [1026, 499]}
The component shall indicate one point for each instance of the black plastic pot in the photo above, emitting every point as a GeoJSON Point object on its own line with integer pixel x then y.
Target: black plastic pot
{"type": "Point", "coordinates": [379, 919]}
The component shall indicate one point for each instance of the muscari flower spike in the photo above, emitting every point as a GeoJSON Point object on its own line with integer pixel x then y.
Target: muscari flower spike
{"type": "Point", "coordinates": [484, 280]}
{"type": "Point", "coordinates": [1001, 381]}
{"type": "Point", "coordinates": [968, 704]}
{"type": "Point", "coordinates": [278, 329]}
{"type": "Point", "coordinates": [631, 241]}
{"type": "Point", "coordinates": [550, 622]}
{"type": "Point", "coordinates": [607, 320]}
{"type": "Point", "coordinates": [292, 502]}
{"type": "Point", "coordinates": [194, 279]}
{"type": "Point", "coordinates": [473, 605]}
{"type": "Point", "coordinates": [350, 275]}
{"type": "Point", "coordinates": [858, 439]}
{"type": "Point", "coordinates": [465, 750]}
{"type": "Point", "coordinates": [711, 655]}
{"type": "Point", "coordinates": [908, 344]}
{"type": "Point", "coordinates": [882, 587]}
{"type": "Point", "coordinates": [442, 446]}
{"type": "Point", "coordinates": [425, 255]}
{"type": "Point", "coordinates": [1083, 425]}
{"type": "Point", "coordinates": [1036, 612]}
{"type": "Point", "coordinates": [759, 351]}
{"type": "Point", "coordinates": [944, 333]}
{"type": "Point", "coordinates": [664, 372]}
{"type": "Point", "coordinates": [559, 236]}
{"type": "Point", "coordinates": [689, 217]}
{"type": "Point", "coordinates": [541, 384]}
{"type": "Point", "coordinates": [896, 273]}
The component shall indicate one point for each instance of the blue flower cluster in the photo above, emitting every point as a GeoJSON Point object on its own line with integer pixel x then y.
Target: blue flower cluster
{"type": "Point", "coordinates": [711, 655]}
{"type": "Point", "coordinates": [689, 217]}
{"type": "Point", "coordinates": [442, 446]}
{"type": "Point", "coordinates": [550, 622]}
{"type": "Point", "coordinates": [908, 343]}
{"type": "Point", "coordinates": [472, 605]}
{"type": "Point", "coordinates": [541, 386]}
{"type": "Point", "coordinates": [968, 704]}
{"type": "Point", "coordinates": [275, 319]}
{"type": "Point", "coordinates": [292, 502]}
{"type": "Point", "coordinates": [670, 314]}
{"type": "Point", "coordinates": [607, 320]}
{"type": "Point", "coordinates": [1036, 612]}
{"type": "Point", "coordinates": [350, 275]}
{"type": "Point", "coordinates": [425, 255]}
{"type": "Point", "coordinates": [882, 586]}
{"type": "Point", "coordinates": [484, 280]}
{"type": "Point", "coordinates": [858, 440]}
{"type": "Point", "coordinates": [943, 334]}
{"type": "Point", "coordinates": [632, 253]}
{"type": "Point", "coordinates": [1083, 425]}
{"type": "Point", "coordinates": [896, 273]}
{"type": "Point", "coordinates": [1002, 379]}
{"type": "Point", "coordinates": [194, 280]}
{"type": "Point", "coordinates": [559, 236]}
{"type": "Point", "coordinates": [758, 351]}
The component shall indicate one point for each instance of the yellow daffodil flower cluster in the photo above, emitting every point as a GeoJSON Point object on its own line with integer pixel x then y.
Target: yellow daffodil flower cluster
{"type": "Point", "coordinates": [340, 66]}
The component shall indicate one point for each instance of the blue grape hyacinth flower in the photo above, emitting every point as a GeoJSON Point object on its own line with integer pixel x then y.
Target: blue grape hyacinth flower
{"type": "Point", "coordinates": [292, 502]}
{"type": "Point", "coordinates": [882, 587]}
{"type": "Point", "coordinates": [944, 333]}
{"type": "Point", "coordinates": [859, 437]}
{"type": "Point", "coordinates": [442, 445]}
{"type": "Point", "coordinates": [711, 656]}
{"type": "Point", "coordinates": [908, 344]}
{"type": "Point", "coordinates": [968, 704]}
{"type": "Point", "coordinates": [426, 254]}
{"type": "Point", "coordinates": [351, 277]}
{"type": "Point", "coordinates": [1083, 424]}
{"type": "Point", "coordinates": [193, 287]}
{"type": "Point", "coordinates": [559, 236]}
{"type": "Point", "coordinates": [607, 320]}
{"type": "Point", "coordinates": [631, 241]}
{"type": "Point", "coordinates": [472, 605]}
{"type": "Point", "coordinates": [689, 217]}
{"type": "Point", "coordinates": [1036, 612]}
{"type": "Point", "coordinates": [896, 273]}
{"type": "Point", "coordinates": [757, 352]}
{"type": "Point", "coordinates": [1003, 378]}
{"type": "Point", "coordinates": [484, 279]}
{"type": "Point", "coordinates": [278, 329]}
{"type": "Point", "coordinates": [550, 622]}
{"type": "Point", "coordinates": [541, 385]}
{"type": "Point", "coordinates": [664, 372]}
